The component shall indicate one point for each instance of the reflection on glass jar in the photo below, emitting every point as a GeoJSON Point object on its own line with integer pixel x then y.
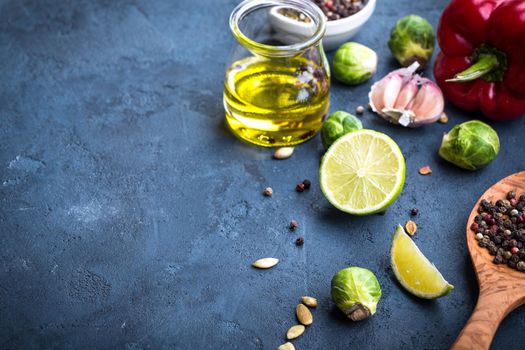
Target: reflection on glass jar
{"type": "Point", "coordinates": [276, 89]}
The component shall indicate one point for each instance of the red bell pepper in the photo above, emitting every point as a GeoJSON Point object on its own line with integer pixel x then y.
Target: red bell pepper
{"type": "Point", "coordinates": [482, 63]}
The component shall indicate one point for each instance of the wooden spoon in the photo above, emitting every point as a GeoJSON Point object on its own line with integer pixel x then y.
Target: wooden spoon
{"type": "Point", "coordinates": [501, 289]}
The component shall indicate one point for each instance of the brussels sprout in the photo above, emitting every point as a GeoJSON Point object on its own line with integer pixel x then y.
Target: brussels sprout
{"type": "Point", "coordinates": [354, 63]}
{"type": "Point", "coordinates": [470, 145]}
{"type": "Point", "coordinates": [356, 292]}
{"type": "Point", "coordinates": [412, 39]}
{"type": "Point", "coordinates": [338, 124]}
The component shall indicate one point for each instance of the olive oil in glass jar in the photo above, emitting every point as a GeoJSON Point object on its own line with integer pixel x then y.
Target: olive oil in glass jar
{"type": "Point", "coordinates": [276, 90]}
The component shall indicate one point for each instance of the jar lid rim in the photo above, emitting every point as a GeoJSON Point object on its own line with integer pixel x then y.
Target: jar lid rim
{"type": "Point", "coordinates": [248, 6]}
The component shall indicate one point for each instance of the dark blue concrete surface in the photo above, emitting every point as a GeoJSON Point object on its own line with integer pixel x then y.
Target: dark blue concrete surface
{"type": "Point", "coordinates": [129, 216]}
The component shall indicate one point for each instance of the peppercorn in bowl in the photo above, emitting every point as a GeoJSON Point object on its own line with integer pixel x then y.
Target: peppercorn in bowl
{"type": "Point", "coordinates": [345, 19]}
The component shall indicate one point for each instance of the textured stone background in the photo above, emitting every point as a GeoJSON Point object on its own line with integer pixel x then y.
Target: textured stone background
{"type": "Point", "coordinates": [129, 216]}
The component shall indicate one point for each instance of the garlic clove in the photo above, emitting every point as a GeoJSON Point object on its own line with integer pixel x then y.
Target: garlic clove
{"type": "Point", "coordinates": [375, 96]}
{"type": "Point", "coordinates": [383, 94]}
{"type": "Point", "coordinates": [406, 95]}
{"type": "Point", "coordinates": [428, 104]}
{"type": "Point", "coordinates": [392, 89]}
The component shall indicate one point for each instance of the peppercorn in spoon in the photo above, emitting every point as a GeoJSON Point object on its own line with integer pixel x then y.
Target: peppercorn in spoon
{"type": "Point", "coordinates": [501, 289]}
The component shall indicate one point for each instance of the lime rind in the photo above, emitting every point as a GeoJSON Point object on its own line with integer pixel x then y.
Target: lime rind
{"type": "Point", "coordinates": [395, 189]}
{"type": "Point", "coordinates": [420, 259]}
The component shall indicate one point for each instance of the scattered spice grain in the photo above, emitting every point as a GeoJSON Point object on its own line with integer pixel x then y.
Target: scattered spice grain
{"type": "Point", "coordinates": [425, 170]}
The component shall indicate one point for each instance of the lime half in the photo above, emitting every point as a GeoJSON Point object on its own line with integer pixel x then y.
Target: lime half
{"type": "Point", "coordinates": [413, 270]}
{"type": "Point", "coordinates": [363, 172]}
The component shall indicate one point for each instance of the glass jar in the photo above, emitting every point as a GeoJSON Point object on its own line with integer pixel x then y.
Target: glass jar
{"type": "Point", "coordinates": [277, 86]}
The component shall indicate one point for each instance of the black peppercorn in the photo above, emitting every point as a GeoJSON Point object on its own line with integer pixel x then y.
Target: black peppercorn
{"type": "Point", "coordinates": [498, 259]}
{"type": "Point", "coordinates": [299, 241]}
{"type": "Point", "coordinates": [415, 211]}
{"type": "Point", "coordinates": [300, 187]}
{"type": "Point", "coordinates": [511, 195]}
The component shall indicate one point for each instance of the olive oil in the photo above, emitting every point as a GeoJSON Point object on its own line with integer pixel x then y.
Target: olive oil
{"type": "Point", "coordinates": [276, 102]}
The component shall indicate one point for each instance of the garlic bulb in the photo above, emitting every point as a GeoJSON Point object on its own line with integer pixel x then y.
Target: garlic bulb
{"type": "Point", "coordinates": [404, 97]}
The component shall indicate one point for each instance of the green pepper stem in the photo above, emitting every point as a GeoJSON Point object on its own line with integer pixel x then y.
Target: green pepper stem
{"type": "Point", "coordinates": [485, 64]}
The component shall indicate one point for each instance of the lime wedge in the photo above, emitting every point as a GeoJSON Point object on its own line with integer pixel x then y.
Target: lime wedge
{"type": "Point", "coordinates": [363, 172]}
{"type": "Point", "coordinates": [413, 270]}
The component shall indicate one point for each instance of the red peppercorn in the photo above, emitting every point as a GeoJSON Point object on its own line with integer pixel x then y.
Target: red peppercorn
{"type": "Point", "coordinates": [513, 202]}
{"type": "Point", "coordinates": [474, 226]}
{"type": "Point", "coordinates": [300, 187]}
{"type": "Point", "coordinates": [494, 228]}
{"type": "Point", "coordinates": [520, 219]}
{"type": "Point", "coordinates": [514, 250]}
{"type": "Point", "coordinates": [329, 4]}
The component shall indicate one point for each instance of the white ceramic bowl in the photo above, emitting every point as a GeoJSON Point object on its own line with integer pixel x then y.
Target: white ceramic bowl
{"type": "Point", "coordinates": [337, 32]}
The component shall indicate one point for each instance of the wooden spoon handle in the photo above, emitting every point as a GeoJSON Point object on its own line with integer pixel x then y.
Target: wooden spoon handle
{"type": "Point", "coordinates": [490, 310]}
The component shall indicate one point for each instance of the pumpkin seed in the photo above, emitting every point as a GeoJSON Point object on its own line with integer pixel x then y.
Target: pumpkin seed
{"type": "Point", "coordinates": [295, 331]}
{"type": "Point", "coordinates": [309, 301]}
{"type": "Point", "coordinates": [411, 227]}
{"type": "Point", "coordinates": [304, 315]}
{"type": "Point", "coordinates": [265, 263]}
{"type": "Point", "coordinates": [286, 346]}
{"type": "Point", "coordinates": [283, 152]}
